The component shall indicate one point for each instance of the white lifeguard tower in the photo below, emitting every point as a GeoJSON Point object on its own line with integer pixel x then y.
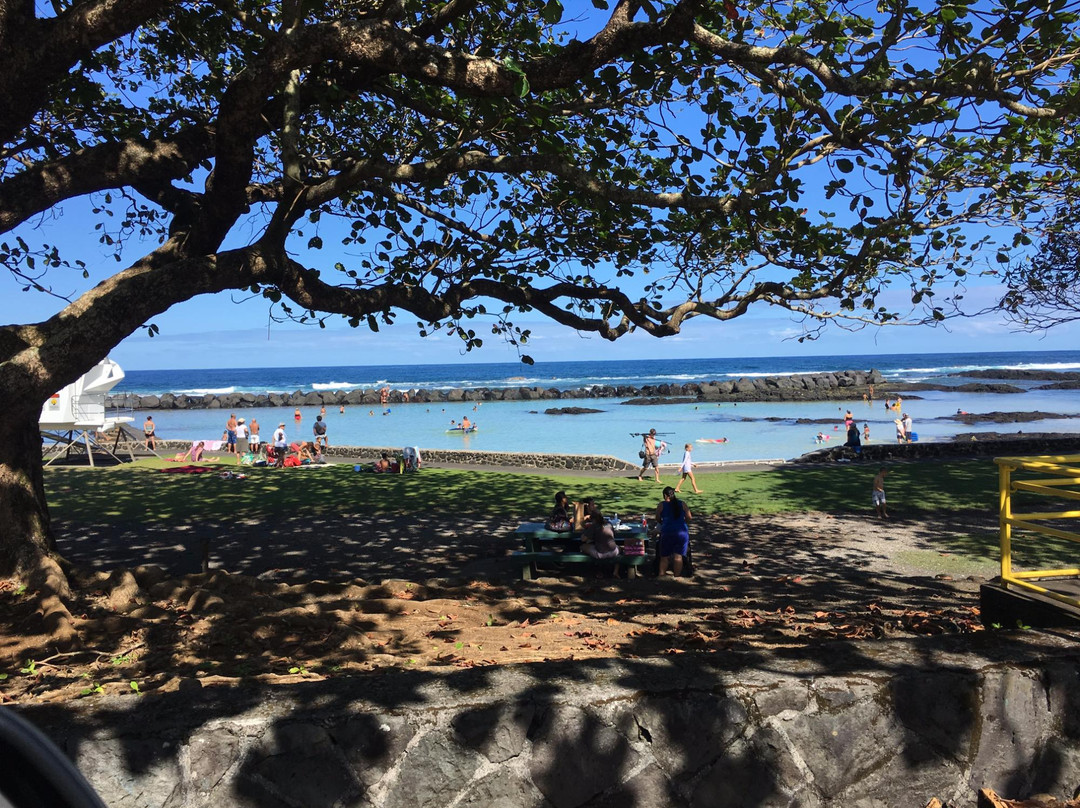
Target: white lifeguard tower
{"type": "Point", "coordinates": [77, 413]}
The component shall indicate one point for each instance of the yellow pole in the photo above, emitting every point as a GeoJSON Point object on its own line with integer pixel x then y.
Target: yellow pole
{"type": "Point", "coordinates": [1004, 516]}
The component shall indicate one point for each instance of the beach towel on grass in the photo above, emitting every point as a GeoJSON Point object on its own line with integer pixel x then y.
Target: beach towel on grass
{"type": "Point", "coordinates": [188, 469]}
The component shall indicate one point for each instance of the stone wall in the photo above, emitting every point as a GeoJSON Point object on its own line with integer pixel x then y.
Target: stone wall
{"type": "Point", "coordinates": [882, 452]}
{"type": "Point", "coordinates": [517, 460]}
{"type": "Point", "coordinates": [872, 724]}
{"type": "Point", "coordinates": [846, 385]}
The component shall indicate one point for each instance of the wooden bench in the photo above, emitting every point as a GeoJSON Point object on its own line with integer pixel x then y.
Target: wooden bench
{"type": "Point", "coordinates": [528, 560]}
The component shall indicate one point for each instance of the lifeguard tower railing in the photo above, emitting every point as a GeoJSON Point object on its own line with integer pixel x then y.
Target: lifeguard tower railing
{"type": "Point", "coordinates": [1052, 477]}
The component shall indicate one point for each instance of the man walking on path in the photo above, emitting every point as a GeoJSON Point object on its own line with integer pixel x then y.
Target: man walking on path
{"type": "Point", "coordinates": [878, 494]}
{"type": "Point", "coordinates": [649, 455]}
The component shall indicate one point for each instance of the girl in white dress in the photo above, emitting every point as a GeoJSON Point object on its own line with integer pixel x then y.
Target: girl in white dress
{"type": "Point", "coordinates": [687, 469]}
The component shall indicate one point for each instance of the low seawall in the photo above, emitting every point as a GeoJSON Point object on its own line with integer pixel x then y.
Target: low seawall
{"type": "Point", "coordinates": [848, 385]}
{"type": "Point", "coordinates": [888, 723]}
{"type": "Point", "coordinates": [521, 460]}
{"type": "Point", "coordinates": [1046, 444]}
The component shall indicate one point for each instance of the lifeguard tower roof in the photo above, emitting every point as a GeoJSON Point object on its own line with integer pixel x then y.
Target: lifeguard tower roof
{"type": "Point", "coordinates": [81, 405]}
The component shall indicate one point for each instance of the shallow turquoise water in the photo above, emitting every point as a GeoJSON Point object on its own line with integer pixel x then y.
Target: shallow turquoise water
{"type": "Point", "coordinates": [523, 426]}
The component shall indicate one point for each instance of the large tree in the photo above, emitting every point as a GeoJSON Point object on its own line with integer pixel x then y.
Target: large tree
{"type": "Point", "coordinates": [473, 159]}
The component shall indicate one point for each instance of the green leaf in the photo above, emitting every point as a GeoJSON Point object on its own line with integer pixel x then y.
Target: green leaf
{"type": "Point", "coordinates": [844, 165]}
{"type": "Point", "coordinates": [552, 12]}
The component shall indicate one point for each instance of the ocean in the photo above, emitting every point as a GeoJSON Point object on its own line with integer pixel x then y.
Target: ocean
{"type": "Point", "coordinates": [754, 431]}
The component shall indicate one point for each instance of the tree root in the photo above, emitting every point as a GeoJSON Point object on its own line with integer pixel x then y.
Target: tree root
{"type": "Point", "coordinates": [47, 579]}
{"type": "Point", "coordinates": [988, 798]}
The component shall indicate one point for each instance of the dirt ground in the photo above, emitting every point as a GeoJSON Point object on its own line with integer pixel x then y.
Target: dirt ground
{"type": "Point", "coordinates": [330, 597]}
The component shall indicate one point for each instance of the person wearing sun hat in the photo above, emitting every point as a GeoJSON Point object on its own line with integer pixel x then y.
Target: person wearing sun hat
{"type": "Point", "coordinates": [281, 445]}
{"type": "Point", "coordinates": [241, 438]}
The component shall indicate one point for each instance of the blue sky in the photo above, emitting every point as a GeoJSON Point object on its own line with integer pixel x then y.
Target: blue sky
{"type": "Point", "coordinates": [215, 331]}
{"type": "Point", "coordinates": [233, 329]}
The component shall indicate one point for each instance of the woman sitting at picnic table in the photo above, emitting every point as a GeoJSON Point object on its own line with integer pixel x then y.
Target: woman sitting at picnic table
{"type": "Point", "coordinates": [598, 536]}
{"type": "Point", "coordinates": [673, 516]}
{"type": "Point", "coordinates": [559, 520]}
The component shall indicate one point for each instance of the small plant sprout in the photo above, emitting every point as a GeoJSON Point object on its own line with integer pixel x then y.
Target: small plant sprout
{"type": "Point", "coordinates": [135, 686]}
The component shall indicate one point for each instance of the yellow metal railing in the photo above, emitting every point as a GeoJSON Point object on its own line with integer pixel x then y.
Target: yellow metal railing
{"type": "Point", "coordinates": [1062, 481]}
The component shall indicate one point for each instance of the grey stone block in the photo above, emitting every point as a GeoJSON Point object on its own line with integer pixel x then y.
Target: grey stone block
{"type": "Point", "coordinates": [784, 697]}
{"type": "Point", "coordinates": [649, 787]}
{"type": "Point", "coordinates": [575, 756]}
{"type": "Point", "coordinates": [939, 708]}
{"type": "Point", "coordinates": [210, 755]}
{"type": "Point", "coordinates": [758, 772]}
{"type": "Point", "coordinates": [502, 790]}
{"type": "Point", "coordinates": [497, 731]}
{"type": "Point", "coordinates": [296, 764]}
{"type": "Point", "coordinates": [125, 771]}
{"type": "Point", "coordinates": [686, 734]}
{"type": "Point", "coordinates": [1015, 716]}
{"type": "Point", "coordinates": [843, 746]}
{"type": "Point", "coordinates": [372, 743]}
{"type": "Point", "coordinates": [432, 773]}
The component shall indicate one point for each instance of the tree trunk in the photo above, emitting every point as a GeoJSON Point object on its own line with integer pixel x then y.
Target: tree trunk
{"type": "Point", "coordinates": [25, 538]}
{"type": "Point", "coordinates": [27, 548]}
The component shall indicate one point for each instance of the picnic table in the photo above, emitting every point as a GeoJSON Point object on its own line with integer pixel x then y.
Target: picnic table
{"type": "Point", "coordinates": [556, 548]}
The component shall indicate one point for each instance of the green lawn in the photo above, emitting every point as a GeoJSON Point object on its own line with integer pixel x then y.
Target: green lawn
{"type": "Point", "coordinates": [139, 492]}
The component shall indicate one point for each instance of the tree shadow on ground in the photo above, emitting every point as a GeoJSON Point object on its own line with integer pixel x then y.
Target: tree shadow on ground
{"type": "Point", "coordinates": [767, 592]}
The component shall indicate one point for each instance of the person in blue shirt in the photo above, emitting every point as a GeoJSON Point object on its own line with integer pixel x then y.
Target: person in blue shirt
{"type": "Point", "coordinates": [673, 515]}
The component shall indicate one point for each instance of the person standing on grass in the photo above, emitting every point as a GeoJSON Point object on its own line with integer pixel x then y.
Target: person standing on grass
{"type": "Point", "coordinates": [687, 469]}
{"type": "Point", "coordinates": [230, 434]}
{"type": "Point", "coordinates": [878, 494]}
{"type": "Point", "coordinates": [253, 435]}
{"type": "Point", "coordinates": [281, 444]}
{"type": "Point", "coordinates": [319, 430]}
{"type": "Point", "coordinates": [242, 446]}
{"type": "Point", "coordinates": [673, 516]}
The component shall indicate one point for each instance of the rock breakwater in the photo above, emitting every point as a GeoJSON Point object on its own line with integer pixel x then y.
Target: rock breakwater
{"type": "Point", "coordinates": [838, 386]}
